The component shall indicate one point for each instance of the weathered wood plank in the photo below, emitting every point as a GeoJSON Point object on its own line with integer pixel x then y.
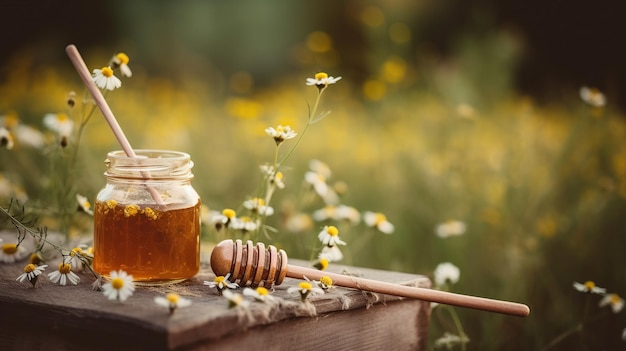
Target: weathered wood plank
{"type": "Point", "coordinates": [53, 317]}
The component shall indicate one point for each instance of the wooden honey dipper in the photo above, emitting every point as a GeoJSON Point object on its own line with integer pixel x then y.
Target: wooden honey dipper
{"type": "Point", "coordinates": [250, 265]}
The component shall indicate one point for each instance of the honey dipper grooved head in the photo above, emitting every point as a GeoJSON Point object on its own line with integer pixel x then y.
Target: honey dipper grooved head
{"type": "Point", "coordinates": [222, 257]}
{"type": "Point", "coordinates": [249, 265]}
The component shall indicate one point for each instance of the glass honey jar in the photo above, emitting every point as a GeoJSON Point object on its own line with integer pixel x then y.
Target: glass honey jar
{"type": "Point", "coordinates": [147, 217]}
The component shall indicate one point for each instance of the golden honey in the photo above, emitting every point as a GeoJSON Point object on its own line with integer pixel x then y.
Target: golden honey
{"type": "Point", "coordinates": [150, 244]}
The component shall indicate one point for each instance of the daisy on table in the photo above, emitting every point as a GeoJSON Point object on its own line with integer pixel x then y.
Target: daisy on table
{"type": "Point", "coordinates": [120, 287]}
{"type": "Point", "coordinates": [32, 273]}
{"type": "Point", "coordinates": [64, 273]}
{"type": "Point", "coordinates": [172, 301]}
{"type": "Point", "coordinates": [11, 253]}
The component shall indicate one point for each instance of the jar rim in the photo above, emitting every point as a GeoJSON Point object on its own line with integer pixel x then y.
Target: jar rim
{"type": "Point", "coordinates": [150, 154]}
{"type": "Point", "coordinates": [149, 164]}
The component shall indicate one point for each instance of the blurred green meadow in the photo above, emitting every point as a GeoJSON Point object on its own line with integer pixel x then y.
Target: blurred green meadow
{"type": "Point", "coordinates": [540, 187]}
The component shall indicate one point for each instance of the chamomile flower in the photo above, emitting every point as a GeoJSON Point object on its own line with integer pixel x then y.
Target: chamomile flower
{"type": "Point", "coordinates": [31, 272]}
{"type": "Point", "coordinates": [235, 300]}
{"type": "Point", "coordinates": [330, 254]}
{"type": "Point", "coordinates": [6, 139]}
{"type": "Point", "coordinates": [274, 178]}
{"type": "Point", "coordinates": [321, 188]}
{"type": "Point", "coordinates": [221, 283]}
{"type": "Point", "coordinates": [27, 135]}
{"type": "Point", "coordinates": [121, 60]}
{"type": "Point", "coordinates": [321, 264]}
{"type": "Point", "coordinates": [12, 253]}
{"type": "Point", "coordinates": [80, 256]}
{"type": "Point", "coordinates": [320, 168]}
{"type": "Point", "coordinates": [329, 236]}
{"type": "Point", "coordinates": [245, 224]}
{"type": "Point", "coordinates": [172, 301]}
{"type": "Point", "coordinates": [224, 219]}
{"type": "Point", "coordinates": [589, 287]}
{"type": "Point", "coordinates": [304, 289]}
{"type": "Point", "coordinates": [325, 213]}
{"type": "Point", "coordinates": [299, 223]}
{"type": "Point", "coordinates": [258, 205]}
{"type": "Point", "coordinates": [325, 283]}
{"type": "Point", "coordinates": [592, 96]}
{"type": "Point", "coordinates": [446, 273]}
{"type": "Point", "coordinates": [613, 300]}
{"type": "Point", "coordinates": [317, 177]}
{"type": "Point", "coordinates": [105, 79]}
{"type": "Point", "coordinates": [347, 213]}
{"type": "Point", "coordinates": [259, 294]}
{"type": "Point", "coordinates": [450, 228]}
{"type": "Point", "coordinates": [322, 80]}
{"type": "Point", "coordinates": [120, 286]}
{"type": "Point", "coordinates": [277, 180]}
{"type": "Point", "coordinates": [281, 133]}
{"type": "Point", "coordinates": [61, 124]}
{"type": "Point", "coordinates": [379, 221]}
{"type": "Point", "coordinates": [338, 213]}
{"type": "Point", "coordinates": [36, 258]}
{"type": "Point", "coordinates": [84, 204]}
{"type": "Point", "coordinates": [64, 273]}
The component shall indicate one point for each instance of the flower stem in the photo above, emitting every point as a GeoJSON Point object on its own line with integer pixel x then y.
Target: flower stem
{"type": "Point", "coordinates": [459, 327]}
{"type": "Point", "coordinates": [310, 120]}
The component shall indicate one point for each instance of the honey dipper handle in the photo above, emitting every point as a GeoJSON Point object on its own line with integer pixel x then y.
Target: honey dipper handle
{"type": "Point", "coordinates": [448, 298]}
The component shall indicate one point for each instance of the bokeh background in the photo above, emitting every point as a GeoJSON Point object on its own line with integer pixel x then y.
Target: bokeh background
{"type": "Point", "coordinates": [447, 110]}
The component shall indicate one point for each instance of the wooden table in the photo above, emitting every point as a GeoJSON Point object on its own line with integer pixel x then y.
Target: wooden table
{"type": "Point", "coordinates": [53, 317]}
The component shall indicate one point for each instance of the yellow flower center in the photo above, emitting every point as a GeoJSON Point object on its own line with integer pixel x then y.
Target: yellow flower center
{"type": "Point", "coordinates": [65, 268]}
{"type": "Point", "coordinates": [326, 280]}
{"type": "Point", "coordinates": [259, 202]}
{"type": "Point", "coordinates": [615, 299]}
{"type": "Point", "coordinates": [35, 258]}
{"type": "Point", "coordinates": [9, 249]}
{"type": "Point", "coordinates": [332, 230]}
{"type": "Point", "coordinates": [279, 175]}
{"type": "Point", "coordinates": [123, 58]}
{"type": "Point", "coordinates": [107, 72]}
{"type": "Point", "coordinates": [229, 213]}
{"type": "Point", "coordinates": [590, 285]}
{"type": "Point", "coordinates": [11, 120]}
{"type": "Point", "coordinates": [305, 286]}
{"type": "Point", "coordinates": [262, 291]}
{"type": "Point", "coordinates": [62, 117]}
{"type": "Point", "coordinates": [323, 263]}
{"type": "Point", "coordinates": [117, 283]}
{"type": "Point", "coordinates": [76, 250]}
{"type": "Point", "coordinates": [380, 218]}
{"type": "Point", "coordinates": [220, 280]}
{"type": "Point", "coordinates": [237, 300]}
{"type": "Point", "coordinates": [172, 298]}
{"type": "Point", "coordinates": [321, 75]}
{"type": "Point", "coordinates": [29, 268]}
{"type": "Point", "coordinates": [280, 129]}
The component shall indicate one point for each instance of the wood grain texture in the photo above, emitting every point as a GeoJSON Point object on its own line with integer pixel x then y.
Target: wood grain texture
{"type": "Point", "coordinates": [52, 317]}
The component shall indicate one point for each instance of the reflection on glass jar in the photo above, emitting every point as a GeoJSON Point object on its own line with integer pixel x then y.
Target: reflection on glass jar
{"type": "Point", "coordinates": [147, 217]}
